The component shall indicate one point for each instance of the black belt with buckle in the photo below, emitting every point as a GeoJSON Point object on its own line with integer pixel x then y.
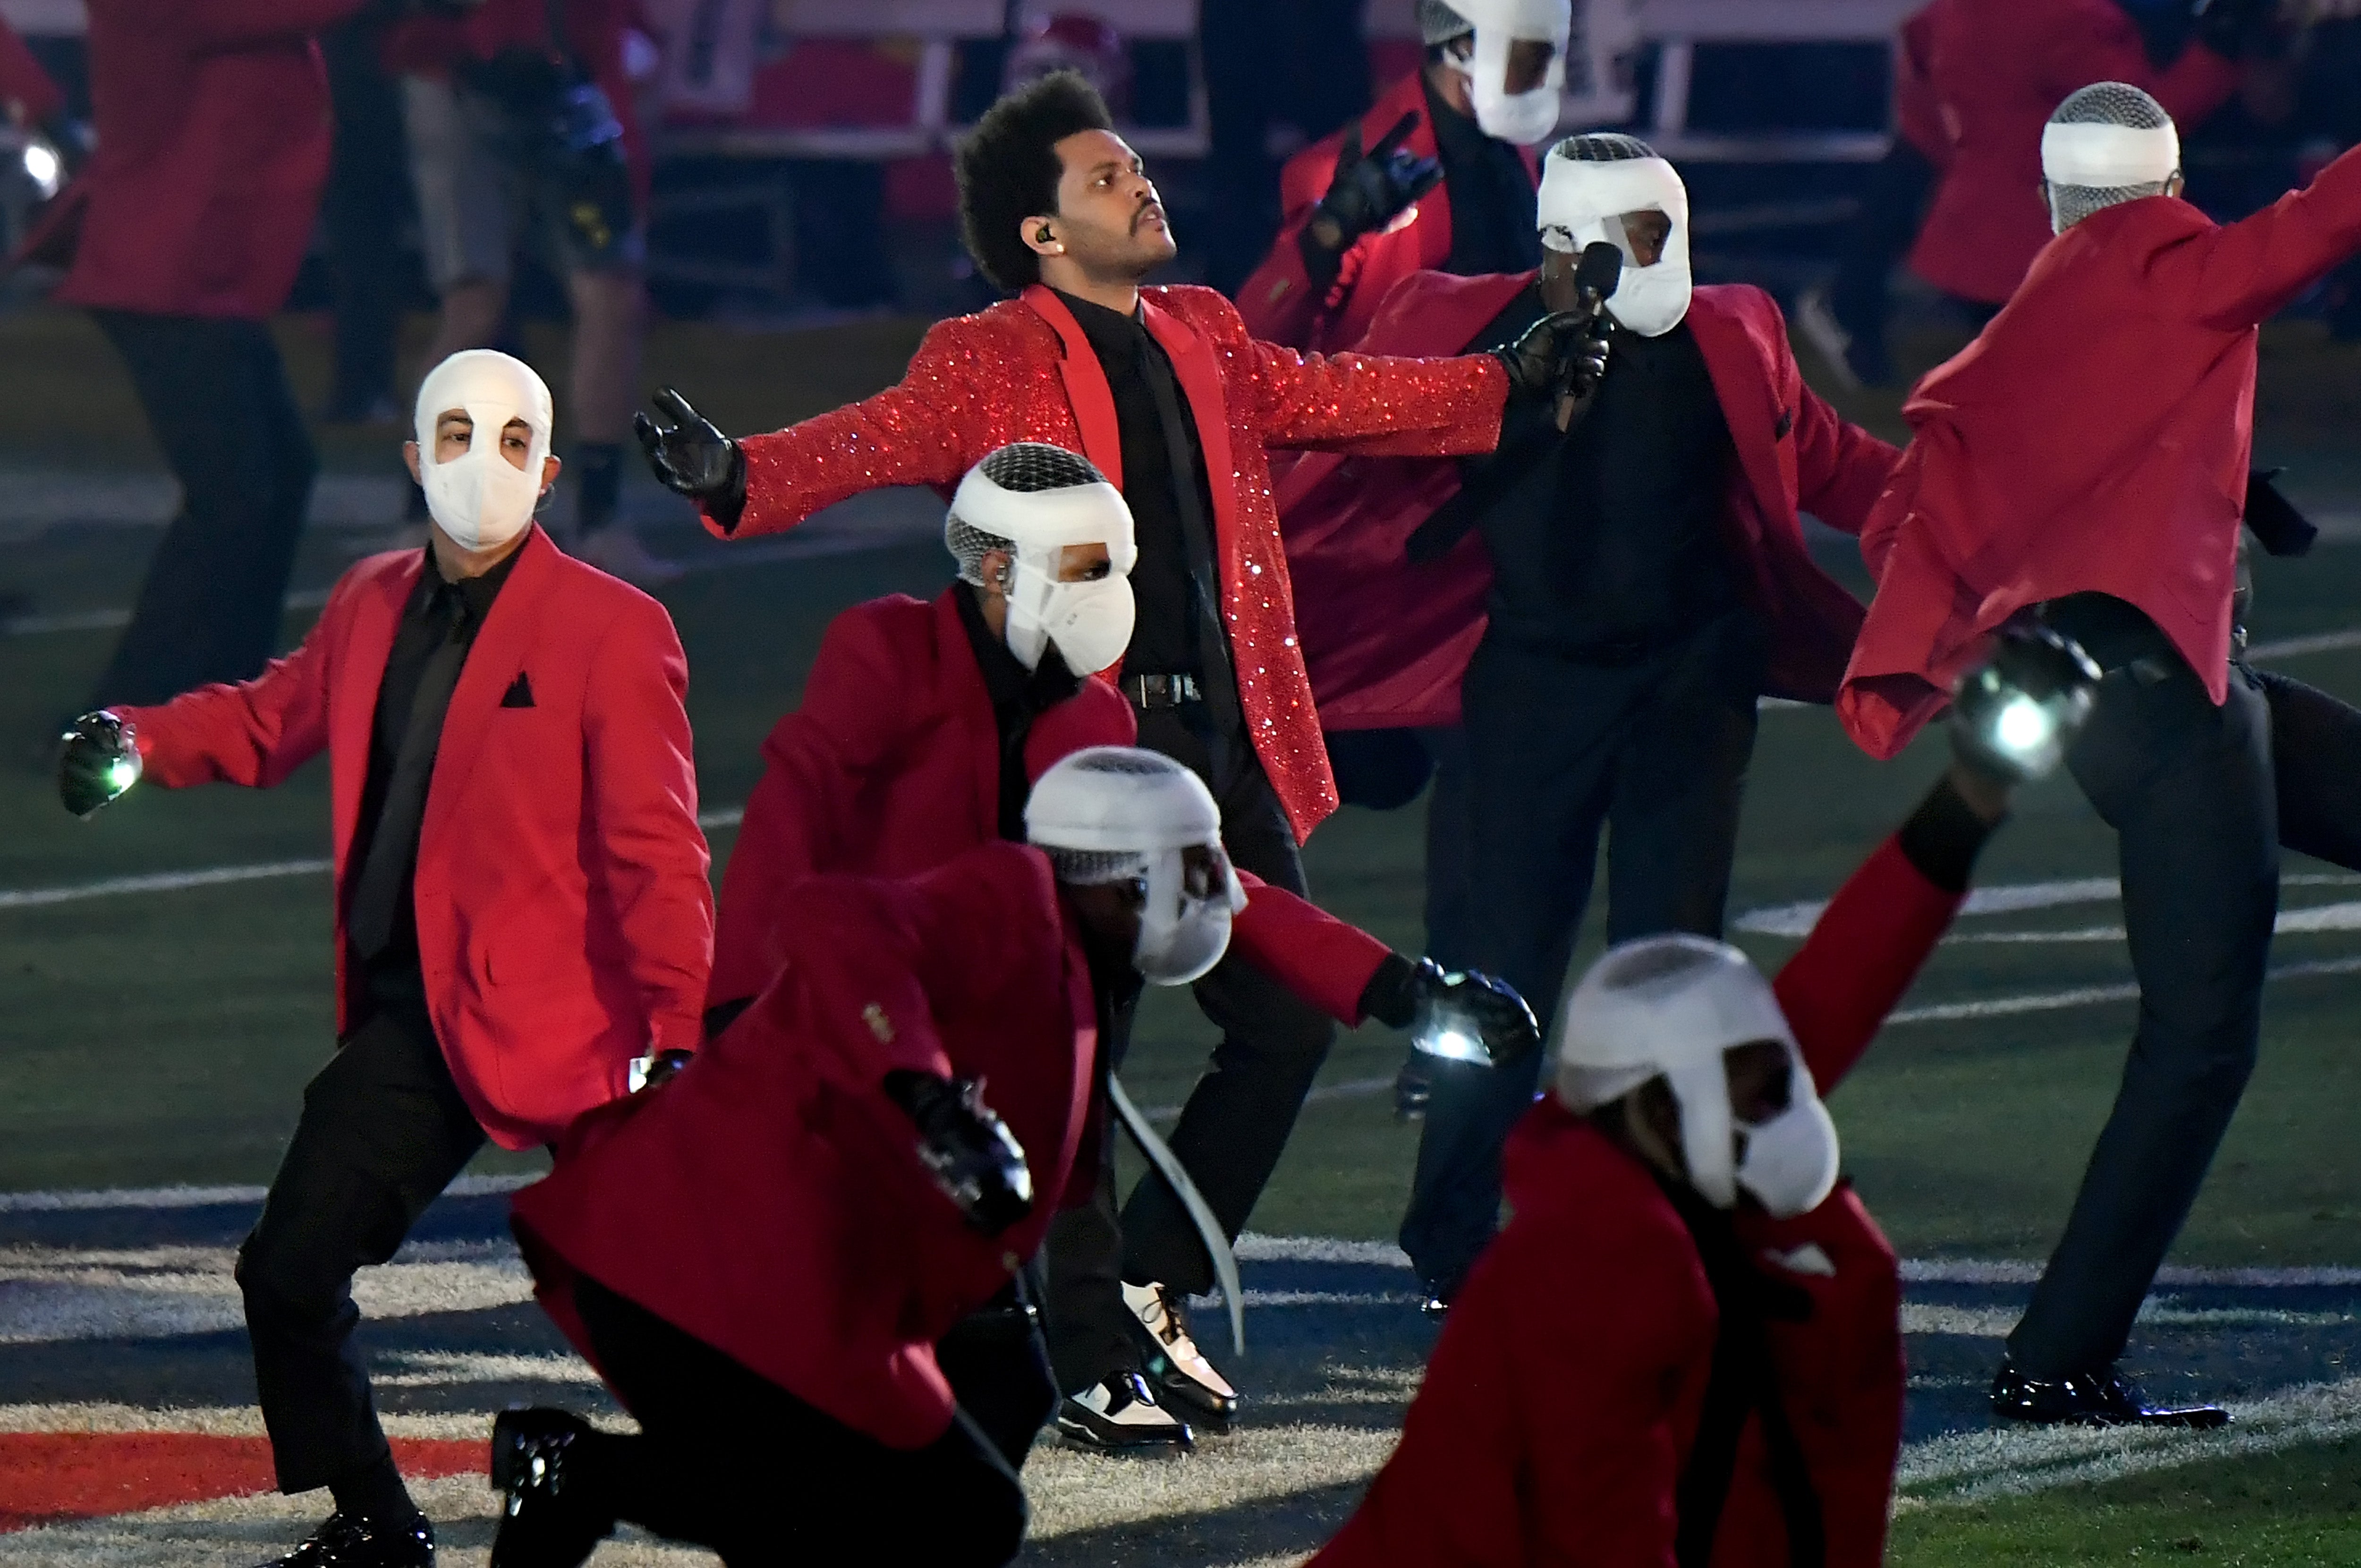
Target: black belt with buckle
{"type": "Point", "coordinates": [1152, 692]}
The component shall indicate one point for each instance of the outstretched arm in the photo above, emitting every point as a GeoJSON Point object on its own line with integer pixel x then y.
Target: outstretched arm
{"type": "Point", "coordinates": [1381, 406]}
{"type": "Point", "coordinates": [1321, 958]}
{"type": "Point", "coordinates": [2239, 276]}
{"type": "Point", "coordinates": [254, 732]}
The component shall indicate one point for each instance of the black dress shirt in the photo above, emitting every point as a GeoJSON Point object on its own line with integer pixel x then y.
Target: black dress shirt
{"type": "Point", "coordinates": [1170, 621]}
{"type": "Point", "coordinates": [438, 609]}
{"type": "Point", "coordinates": [1610, 540]}
{"type": "Point", "coordinates": [1491, 195]}
{"type": "Point", "coordinates": [1020, 696]}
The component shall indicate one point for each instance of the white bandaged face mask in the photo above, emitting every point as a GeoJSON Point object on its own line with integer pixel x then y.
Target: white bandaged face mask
{"type": "Point", "coordinates": [1183, 934]}
{"type": "Point", "coordinates": [1582, 203]}
{"type": "Point", "coordinates": [480, 498]}
{"type": "Point", "coordinates": [1515, 112]}
{"type": "Point", "coordinates": [1089, 622]}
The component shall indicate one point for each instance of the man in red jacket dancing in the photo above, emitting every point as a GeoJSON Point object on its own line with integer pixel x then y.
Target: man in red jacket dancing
{"type": "Point", "coordinates": [1167, 394]}
{"type": "Point", "coordinates": [781, 1358]}
{"type": "Point", "coordinates": [2085, 459]}
{"type": "Point", "coordinates": [1687, 1345]}
{"type": "Point", "coordinates": [521, 909]}
{"type": "Point", "coordinates": [1610, 599]}
{"type": "Point", "coordinates": [921, 731]}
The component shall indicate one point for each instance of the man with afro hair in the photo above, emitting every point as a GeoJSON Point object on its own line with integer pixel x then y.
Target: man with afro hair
{"type": "Point", "coordinates": [1164, 390]}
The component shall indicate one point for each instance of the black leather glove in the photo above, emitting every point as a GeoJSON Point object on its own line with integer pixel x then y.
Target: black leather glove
{"type": "Point", "coordinates": [969, 1152]}
{"type": "Point", "coordinates": [98, 759]}
{"type": "Point", "coordinates": [1433, 1004]}
{"type": "Point", "coordinates": [1543, 362]}
{"type": "Point", "coordinates": [1368, 191]}
{"type": "Point", "coordinates": [694, 458]}
{"type": "Point", "coordinates": [2012, 719]}
{"type": "Point", "coordinates": [1585, 365]}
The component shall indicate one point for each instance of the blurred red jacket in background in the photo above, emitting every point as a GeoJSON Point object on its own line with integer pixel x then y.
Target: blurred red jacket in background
{"type": "Point", "coordinates": [24, 86]}
{"type": "Point", "coordinates": [212, 147]}
{"type": "Point", "coordinates": [1995, 71]}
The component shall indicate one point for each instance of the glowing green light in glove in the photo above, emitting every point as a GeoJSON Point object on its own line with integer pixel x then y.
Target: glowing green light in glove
{"type": "Point", "coordinates": [1451, 1033]}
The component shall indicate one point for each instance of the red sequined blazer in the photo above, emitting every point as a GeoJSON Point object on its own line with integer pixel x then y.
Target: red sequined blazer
{"type": "Point", "coordinates": [1022, 371]}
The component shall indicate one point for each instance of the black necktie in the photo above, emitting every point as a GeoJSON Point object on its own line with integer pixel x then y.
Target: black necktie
{"type": "Point", "coordinates": [384, 881]}
{"type": "Point", "coordinates": [1212, 643]}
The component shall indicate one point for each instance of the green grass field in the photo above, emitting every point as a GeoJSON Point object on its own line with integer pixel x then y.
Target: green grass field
{"type": "Point", "coordinates": [164, 1037]}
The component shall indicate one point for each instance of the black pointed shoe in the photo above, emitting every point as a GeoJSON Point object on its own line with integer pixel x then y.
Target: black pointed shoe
{"type": "Point", "coordinates": [549, 1517]}
{"type": "Point", "coordinates": [347, 1541]}
{"type": "Point", "coordinates": [1184, 1381]}
{"type": "Point", "coordinates": [1120, 1415]}
{"type": "Point", "coordinates": [2093, 1399]}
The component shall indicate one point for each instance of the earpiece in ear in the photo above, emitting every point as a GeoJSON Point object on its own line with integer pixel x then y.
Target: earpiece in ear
{"type": "Point", "coordinates": [1043, 234]}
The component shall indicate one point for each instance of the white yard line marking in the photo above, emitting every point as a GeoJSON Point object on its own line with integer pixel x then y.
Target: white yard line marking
{"type": "Point", "coordinates": [2003, 898]}
{"type": "Point", "coordinates": [2157, 1312]}
{"type": "Point", "coordinates": [215, 876]}
{"type": "Point", "coordinates": [206, 1197]}
{"type": "Point", "coordinates": [2088, 997]}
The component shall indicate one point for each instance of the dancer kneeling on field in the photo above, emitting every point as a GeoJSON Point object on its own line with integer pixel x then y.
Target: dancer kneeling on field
{"type": "Point", "coordinates": [760, 1254]}
{"type": "Point", "coordinates": [1687, 1345]}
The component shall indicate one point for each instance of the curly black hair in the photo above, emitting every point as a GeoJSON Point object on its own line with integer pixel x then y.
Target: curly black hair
{"type": "Point", "coordinates": [1008, 171]}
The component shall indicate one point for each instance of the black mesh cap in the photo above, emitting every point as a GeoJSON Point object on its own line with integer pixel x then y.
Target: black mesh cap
{"type": "Point", "coordinates": [1602, 147]}
{"type": "Point", "coordinates": [1027, 468]}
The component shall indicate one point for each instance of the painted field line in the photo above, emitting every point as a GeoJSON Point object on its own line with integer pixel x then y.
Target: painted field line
{"type": "Point", "coordinates": [1796, 920]}
{"type": "Point", "coordinates": [2088, 997]}
{"type": "Point", "coordinates": [207, 1197]}
{"type": "Point", "coordinates": [216, 876]}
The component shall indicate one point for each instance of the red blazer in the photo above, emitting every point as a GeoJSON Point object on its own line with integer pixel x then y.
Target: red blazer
{"type": "Point", "coordinates": [892, 767]}
{"type": "Point", "coordinates": [1022, 371]}
{"type": "Point", "coordinates": [769, 1199]}
{"type": "Point", "coordinates": [2096, 437]}
{"type": "Point", "coordinates": [1386, 641]}
{"type": "Point", "coordinates": [23, 82]}
{"type": "Point", "coordinates": [1562, 1399]}
{"type": "Point", "coordinates": [565, 919]}
{"type": "Point", "coordinates": [212, 148]}
{"type": "Point", "coordinates": [1997, 70]}
{"type": "Point", "coordinates": [1278, 302]}
{"type": "Point", "coordinates": [1917, 107]}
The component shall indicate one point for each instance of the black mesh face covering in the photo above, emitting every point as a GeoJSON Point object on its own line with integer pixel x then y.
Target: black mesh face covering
{"type": "Point", "coordinates": [1602, 147]}
{"type": "Point", "coordinates": [2104, 103]}
{"type": "Point", "coordinates": [1022, 467]}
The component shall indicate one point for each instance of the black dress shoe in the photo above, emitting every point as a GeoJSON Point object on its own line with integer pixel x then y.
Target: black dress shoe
{"type": "Point", "coordinates": [549, 1517]}
{"type": "Point", "coordinates": [2093, 1399]}
{"type": "Point", "coordinates": [346, 1541]}
{"type": "Point", "coordinates": [1120, 1415]}
{"type": "Point", "coordinates": [1185, 1382]}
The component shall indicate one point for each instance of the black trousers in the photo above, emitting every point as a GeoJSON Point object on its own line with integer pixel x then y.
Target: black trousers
{"type": "Point", "coordinates": [2189, 789]}
{"type": "Point", "coordinates": [383, 1133]}
{"type": "Point", "coordinates": [1654, 753]}
{"type": "Point", "coordinates": [1892, 205]}
{"type": "Point", "coordinates": [998, 1368]}
{"type": "Point", "coordinates": [728, 1460]}
{"type": "Point", "coordinates": [1237, 1118]}
{"type": "Point", "coordinates": [217, 398]}
{"type": "Point", "coordinates": [367, 198]}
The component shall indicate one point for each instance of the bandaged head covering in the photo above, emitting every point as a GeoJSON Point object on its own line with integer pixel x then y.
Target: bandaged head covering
{"type": "Point", "coordinates": [1439, 24]}
{"type": "Point", "coordinates": [2108, 143]}
{"type": "Point", "coordinates": [480, 498]}
{"type": "Point", "coordinates": [1032, 499]}
{"type": "Point", "coordinates": [1528, 116]}
{"type": "Point", "coordinates": [1588, 183]}
{"type": "Point", "coordinates": [1109, 813]}
{"type": "Point", "coordinates": [1669, 1006]}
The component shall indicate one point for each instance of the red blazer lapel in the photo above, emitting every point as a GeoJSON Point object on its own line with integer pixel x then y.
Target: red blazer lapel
{"type": "Point", "coordinates": [963, 697]}
{"type": "Point", "coordinates": [495, 660]}
{"type": "Point", "coordinates": [1742, 379]}
{"type": "Point", "coordinates": [1199, 375]}
{"type": "Point", "coordinates": [361, 654]}
{"type": "Point", "coordinates": [1086, 385]}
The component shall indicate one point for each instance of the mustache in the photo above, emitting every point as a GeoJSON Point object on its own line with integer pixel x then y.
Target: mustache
{"type": "Point", "coordinates": [1150, 205]}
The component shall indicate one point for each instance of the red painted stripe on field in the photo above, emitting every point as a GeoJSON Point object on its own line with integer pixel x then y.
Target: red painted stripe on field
{"type": "Point", "coordinates": [48, 1477]}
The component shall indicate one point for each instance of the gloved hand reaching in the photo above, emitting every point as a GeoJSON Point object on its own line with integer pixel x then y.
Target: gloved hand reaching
{"type": "Point", "coordinates": [2013, 718]}
{"type": "Point", "coordinates": [693, 458]}
{"type": "Point", "coordinates": [1557, 353]}
{"type": "Point", "coordinates": [1368, 191]}
{"type": "Point", "coordinates": [1457, 1017]}
{"type": "Point", "coordinates": [98, 759]}
{"type": "Point", "coordinates": [968, 1149]}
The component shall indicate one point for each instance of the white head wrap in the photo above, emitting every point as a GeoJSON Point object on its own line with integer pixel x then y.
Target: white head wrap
{"type": "Point", "coordinates": [1116, 813]}
{"type": "Point", "coordinates": [1530, 117]}
{"type": "Point", "coordinates": [1033, 499]}
{"type": "Point", "coordinates": [1669, 1006]}
{"type": "Point", "coordinates": [480, 498]}
{"type": "Point", "coordinates": [2108, 143]}
{"type": "Point", "coordinates": [1588, 182]}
